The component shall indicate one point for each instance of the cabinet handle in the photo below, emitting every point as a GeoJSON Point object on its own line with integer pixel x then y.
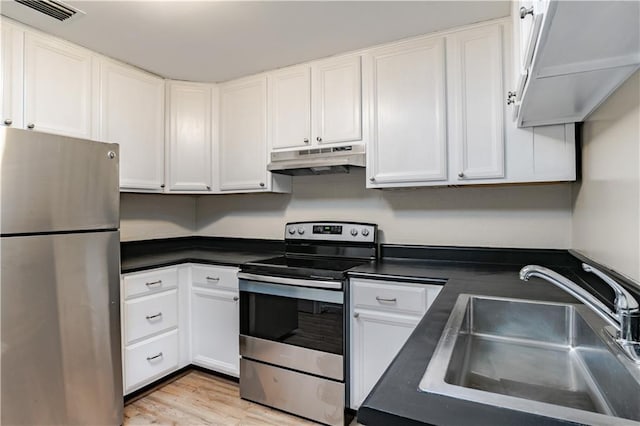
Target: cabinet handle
{"type": "Point", "coordinates": [524, 12]}
{"type": "Point", "coordinates": [150, 317]}
{"type": "Point", "coordinates": [306, 140]}
{"type": "Point", "coordinates": [151, 358]}
{"type": "Point", "coordinates": [372, 179]}
{"type": "Point", "coordinates": [208, 188]}
{"type": "Point", "coordinates": [162, 186]}
{"type": "Point", "coordinates": [262, 184]}
{"type": "Point", "coordinates": [214, 279]}
{"type": "Point", "coordinates": [8, 122]}
{"type": "Point", "coordinates": [461, 175]}
{"type": "Point", "coordinates": [356, 315]}
{"type": "Point", "coordinates": [382, 299]}
{"type": "Point", "coordinates": [511, 98]}
{"type": "Point", "coordinates": [319, 139]}
{"type": "Point", "coordinates": [152, 283]}
{"type": "Point", "coordinates": [30, 126]}
{"type": "Point", "coordinates": [236, 298]}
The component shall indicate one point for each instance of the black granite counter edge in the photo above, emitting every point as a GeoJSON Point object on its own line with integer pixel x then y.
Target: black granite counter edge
{"type": "Point", "coordinates": [126, 269]}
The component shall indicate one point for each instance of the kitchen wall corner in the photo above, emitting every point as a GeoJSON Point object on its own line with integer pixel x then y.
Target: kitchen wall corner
{"type": "Point", "coordinates": [151, 216]}
{"type": "Point", "coordinates": [534, 216]}
{"type": "Point", "coordinates": [606, 202]}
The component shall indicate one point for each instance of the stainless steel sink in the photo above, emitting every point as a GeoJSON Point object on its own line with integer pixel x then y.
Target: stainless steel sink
{"type": "Point", "coordinates": [543, 358]}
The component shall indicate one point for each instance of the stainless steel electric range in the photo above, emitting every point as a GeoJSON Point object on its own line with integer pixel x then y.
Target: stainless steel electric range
{"type": "Point", "coordinates": [293, 324]}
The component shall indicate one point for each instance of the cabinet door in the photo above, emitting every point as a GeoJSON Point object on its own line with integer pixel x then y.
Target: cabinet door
{"type": "Point", "coordinates": [11, 76]}
{"type": "Point", "coordinates": [189, 157]}
{"type": "Point", "coordinates": [130, 112]}
{"type": "Point", "coordinates": [337, 101]}
{"type": "Point", "coordinates": [215, 330]}
{"type": "Point", "coordinates": [57, 87]}
{"type": "Point", "coordinates": [409, 115]}
{"type": "Point", "coordinates": [376, 339]}
{"type": "Point", "coordinates": [243, 131]}
{"type": "Point", "coordinates": [290, 107]}
{"type": "Point", "coordinates": [476, 127]}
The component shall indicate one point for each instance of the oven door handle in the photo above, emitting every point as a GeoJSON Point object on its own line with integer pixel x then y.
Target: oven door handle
{"type": "Point", "coordinates": [299, 282]}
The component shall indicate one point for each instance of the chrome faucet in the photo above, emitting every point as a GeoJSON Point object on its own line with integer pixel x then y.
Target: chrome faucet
{"type": "Point", "coordinates": [624, 323]}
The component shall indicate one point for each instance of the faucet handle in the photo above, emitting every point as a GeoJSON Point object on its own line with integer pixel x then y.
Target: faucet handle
{"type": "Point", "coordinates": [624, 300]}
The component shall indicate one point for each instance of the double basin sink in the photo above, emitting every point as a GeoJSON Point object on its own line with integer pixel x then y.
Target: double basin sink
{"type": "Point", "coordinates": [545, 359]}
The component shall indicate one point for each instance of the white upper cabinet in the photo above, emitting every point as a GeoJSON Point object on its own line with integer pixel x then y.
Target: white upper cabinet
{"type": "Point", "coordinates": [129, 110]}
{"type": "Point", "coordinates": [583, 51]}
{"type": "Point", "coordinates": [57, 87]}
{"type": "Point", "coordinates": [243, 135]}
{"type": "Point", "coordinates": [475, 82]}
{"type": "Point", "coordinates": [426, 132]}
{"type": "Point", "coordinates": [290, 109]}
{"type": "Point", "coordinates": [316, 104]}
{"type": "Point", "coordinates": [409, 136]}
{"type": "Point", "coordinates": [189, 136]}
{"type": "Point", "coordinates": [337, 100]}
{"type": "Point", "coordinates": [11, 57]}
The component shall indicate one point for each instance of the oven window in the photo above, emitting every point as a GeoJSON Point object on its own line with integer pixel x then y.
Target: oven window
{"type": "Point", "coordinates": [300, 322]}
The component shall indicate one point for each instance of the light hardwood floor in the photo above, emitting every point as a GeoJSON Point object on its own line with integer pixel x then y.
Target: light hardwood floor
{"type": "Point", "coordinates": [198, 398]}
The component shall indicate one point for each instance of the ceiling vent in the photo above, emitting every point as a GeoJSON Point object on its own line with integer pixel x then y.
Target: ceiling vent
{"type": "Point", "coordinates": [53, 8]}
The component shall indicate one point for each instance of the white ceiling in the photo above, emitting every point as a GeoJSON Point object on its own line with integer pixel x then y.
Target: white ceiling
{"type": "Point", "coordinates": [215, 41]}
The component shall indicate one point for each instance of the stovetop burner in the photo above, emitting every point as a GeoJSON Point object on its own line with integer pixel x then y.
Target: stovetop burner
{"type": "Point", "coordinates": [303, 267]}
{"type": "Point", "coordinates": [320, 250]}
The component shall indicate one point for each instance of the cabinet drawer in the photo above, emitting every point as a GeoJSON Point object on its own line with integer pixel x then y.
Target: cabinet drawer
{"type": "Point", "coordinates": [149, 315]}
{"type": "Point", "coordinates": [151, 359]}
{"type": "Point", "coordinates": [214, 277]}
{"type": "Point", "coordinates": [149, 282]}
{"type": "Point", "coordinates": [391, 296]}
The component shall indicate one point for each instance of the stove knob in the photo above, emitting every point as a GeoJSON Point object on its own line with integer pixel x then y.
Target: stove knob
{"type": "Point", "coordinates": [364, 232]}
{"type": "Point", "coordinates": [354, 231]}
{"type": "Point", "coordinates": [292, 230]}
{"type": "Point", "coordinates": [301, 230]}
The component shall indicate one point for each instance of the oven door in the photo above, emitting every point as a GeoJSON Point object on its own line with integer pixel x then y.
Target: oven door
{"type": "Point", "coordinates": [298, 328]}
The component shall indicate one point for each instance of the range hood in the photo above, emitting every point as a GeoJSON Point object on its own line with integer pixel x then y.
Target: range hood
{"type": "Point", "coordinates": [318, 161]}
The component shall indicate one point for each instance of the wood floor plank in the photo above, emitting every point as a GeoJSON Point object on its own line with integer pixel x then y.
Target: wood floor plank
{"type": "Point", "coordinates": [198, 398]}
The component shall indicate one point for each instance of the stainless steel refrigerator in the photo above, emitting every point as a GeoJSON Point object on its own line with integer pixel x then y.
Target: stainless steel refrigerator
{"type": "Point", "coordinates": [59, 281]}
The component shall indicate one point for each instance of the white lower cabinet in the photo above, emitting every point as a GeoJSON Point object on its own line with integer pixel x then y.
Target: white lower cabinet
{"type": "Point", "coordinates": [150, 327]}
{"type": "Point", "coordinates": [383, 315]}
{"type": "Point", "coordinates": [150, 315]}
{"type": "Point", "coordinates": [215, 330]}
{"type": "Point", "coordinates": [176, 316]}
{"type": "Point", "coordinates": [150, 359]}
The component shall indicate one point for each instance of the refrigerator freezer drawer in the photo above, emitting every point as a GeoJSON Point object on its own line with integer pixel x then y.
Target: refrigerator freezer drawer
{"type": "Point", "coordinates": [150, 359]}
{"type": "Point", "coordinates": [52, 183]}
{"type": "Point", "coordinates": [146, 316]}
{"type": "Point", "coordinates": [60, 308]}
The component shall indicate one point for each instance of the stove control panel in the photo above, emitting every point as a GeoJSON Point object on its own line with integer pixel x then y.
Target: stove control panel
{"type": "Point", "coordinates": [331, 231]}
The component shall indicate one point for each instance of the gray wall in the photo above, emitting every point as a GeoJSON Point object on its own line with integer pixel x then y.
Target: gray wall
{"type": "Point", "coordinates": [149, 216]}
{"type": "Point", "coordinates": [606, 205]}
{"type": "Point", "coordinates": [511, 216]}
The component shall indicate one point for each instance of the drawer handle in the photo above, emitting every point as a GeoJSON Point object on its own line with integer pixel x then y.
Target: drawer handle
{"type": "Point", "coordinates": [151, 358]}
{"type": "Point", "coordinates": [152, 283]}
{"type": "Point", "coordinates": [382, 299]}
{"type": "Point", "coordinates": [150, 317]}
{"type": "Point", "coordinates": [356, 315]}
{"type": "Point", "coordinates": [214, 279]}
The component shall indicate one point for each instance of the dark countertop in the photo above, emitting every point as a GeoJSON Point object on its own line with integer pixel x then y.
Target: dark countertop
{"type": "Point", "coordinates": [141, 255]}
{"type": "Point", "coordinates": [395, 399]}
